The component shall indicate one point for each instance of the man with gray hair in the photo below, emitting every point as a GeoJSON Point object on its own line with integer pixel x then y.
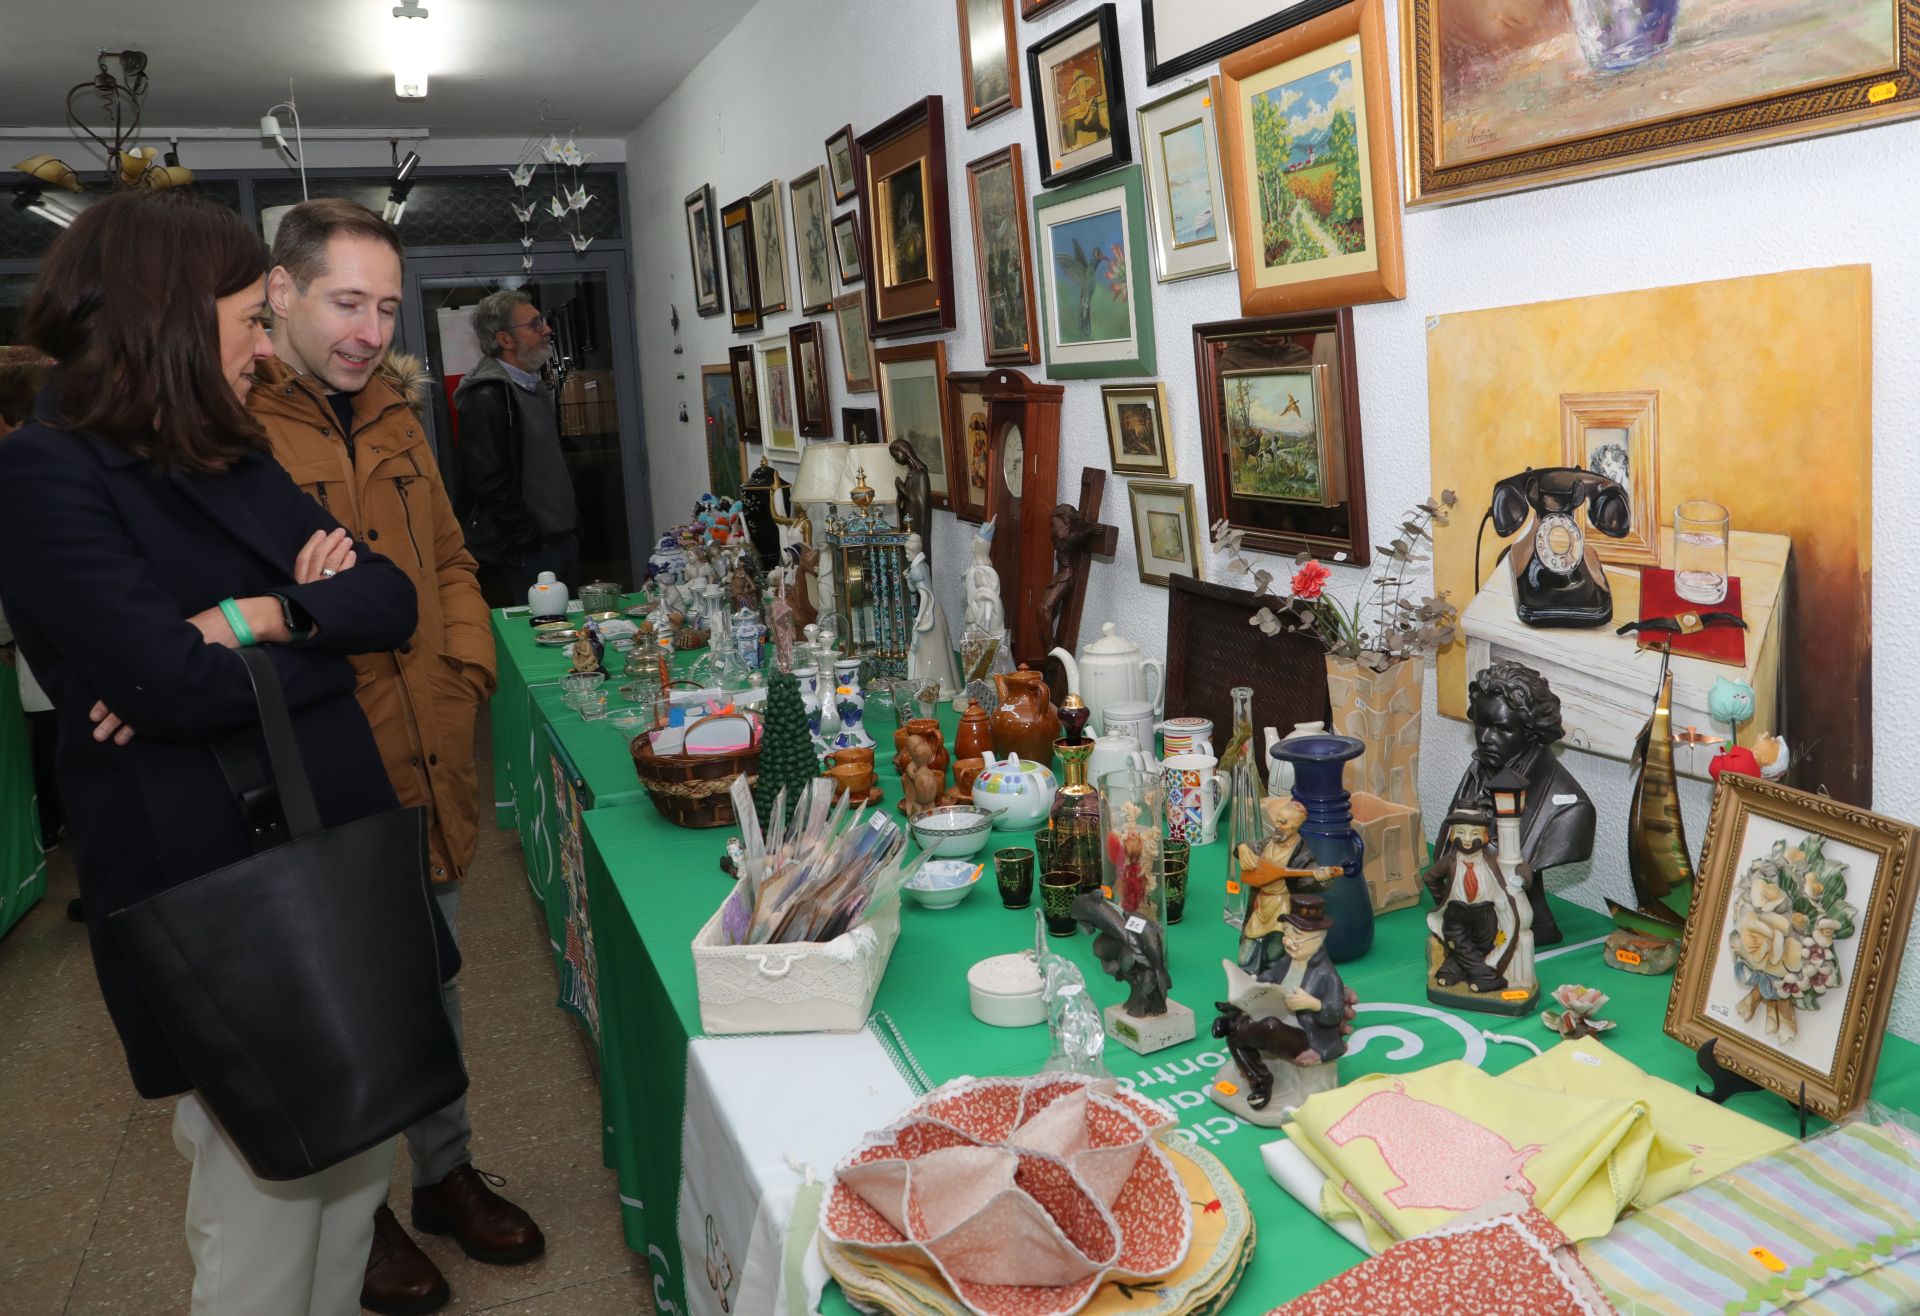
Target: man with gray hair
{"type": "Point", "coordinates": [511, 485]}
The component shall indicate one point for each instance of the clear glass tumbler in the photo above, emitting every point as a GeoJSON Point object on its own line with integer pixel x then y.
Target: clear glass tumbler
{"type": "Point", "coordinates": [1700, 531]}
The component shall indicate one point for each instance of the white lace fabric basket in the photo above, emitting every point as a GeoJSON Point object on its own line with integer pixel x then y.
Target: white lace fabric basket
{"type": "Point", "coordinates": [793, 987]}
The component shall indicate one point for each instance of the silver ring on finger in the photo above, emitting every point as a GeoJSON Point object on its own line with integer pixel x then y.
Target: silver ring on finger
{"type": "Point", "coordinates": [328, 571]}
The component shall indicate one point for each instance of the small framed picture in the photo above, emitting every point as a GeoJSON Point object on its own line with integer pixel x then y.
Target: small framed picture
{"type": "Point", "coordinates": [971, 443]}
{"type": "Point", "coordinates": [726, 451]}
{"type": "Point", "coordinates": [810, 380]}
{"type": "Point", "coordinates": [1186, 191]}
{"type": "Point", "coordinates": [989, 60]}
{"type": "Point", "coordinates": [1617, 435]}
{"type": "Point", "coordinates": [1166, 540]}
{"type": "Point", "coordinates": [769, 229]}
{"type": "Point", "coordinates": [1003, 258]}
{"type": "Point", "coordinates": [903, 218]}
{"type": "Point", "coordinates": [746, 391]}
{"type": "Point", "coordinates": [743, 266]}
{"type": "Point", "coordinates": [807, 196]}
{"type": "Point", "coordinates": [703, 247]}
{"type": "Point", "coordinates": [1034, 8]}
{"type": "Point", "coordinates": [1137, 428]}
{"type": "Point", "coordinates": [847, 248]}
{"type": "Point", "coordinates": [1799, 916]}
{"type": "Point", "coordinates": [1079, 99]}
{"type": "Point", "coordinates": [913, 386]}
{"type": "Point", "coordinates": [860, 424]}
{"type": "Point", "coordinates": [1096, 284]}
{"type": "Point", "coordinates": [778, 423]}
{"type": "Point", "coordinates": [841, 167]}
{"type": "Point", "coordinates": [856, 349]}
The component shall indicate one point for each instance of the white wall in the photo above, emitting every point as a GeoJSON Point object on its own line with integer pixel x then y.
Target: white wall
{"type": "Point", "coordinates": [248, 153]}
{"type": "Point", "coordinates": [762, 103]}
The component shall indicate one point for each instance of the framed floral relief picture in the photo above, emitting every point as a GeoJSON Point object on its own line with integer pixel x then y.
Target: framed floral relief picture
{"type": "Point", "coordinates": [1798, 920]}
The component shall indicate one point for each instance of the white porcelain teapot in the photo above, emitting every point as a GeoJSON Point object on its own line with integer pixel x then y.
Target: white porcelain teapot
{"type": "Point", "coordinates": [1112, 670]}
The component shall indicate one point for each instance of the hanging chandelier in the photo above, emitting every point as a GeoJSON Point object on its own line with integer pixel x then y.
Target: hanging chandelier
{"type": "Point", "coordinates": [115, 102]}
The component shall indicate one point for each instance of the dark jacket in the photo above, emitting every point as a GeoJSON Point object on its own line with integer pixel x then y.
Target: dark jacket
{"type": "Point", "coordinates": [102, 557]}
{"type": "Point", "coordinates": [489, 468]}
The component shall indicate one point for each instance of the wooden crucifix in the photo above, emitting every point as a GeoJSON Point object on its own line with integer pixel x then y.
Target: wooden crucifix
{"type": "Point", "coordinates": [1078, 535]}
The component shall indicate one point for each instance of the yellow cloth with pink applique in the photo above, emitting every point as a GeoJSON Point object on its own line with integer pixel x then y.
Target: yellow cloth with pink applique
{"type": "Point", "coordinates": [1579, 1131]}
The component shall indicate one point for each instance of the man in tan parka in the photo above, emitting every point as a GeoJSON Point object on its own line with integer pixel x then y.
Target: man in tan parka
{"type": "Point", "coordinates": [340, 422]}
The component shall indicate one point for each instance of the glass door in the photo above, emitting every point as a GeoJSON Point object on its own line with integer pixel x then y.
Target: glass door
{"type": "Point", "coordinates": [597, 400]}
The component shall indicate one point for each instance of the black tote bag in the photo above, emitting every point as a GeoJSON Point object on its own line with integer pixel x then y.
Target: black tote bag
{"type": "Point", "coordinates": [300, 987]}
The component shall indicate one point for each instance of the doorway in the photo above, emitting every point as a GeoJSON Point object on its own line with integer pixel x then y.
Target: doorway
{"type": "Point", "coordinates": [586, 300]}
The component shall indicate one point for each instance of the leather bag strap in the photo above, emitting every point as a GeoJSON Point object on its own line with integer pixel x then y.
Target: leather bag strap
{"type": "Point", "coordinates": [285, 791]}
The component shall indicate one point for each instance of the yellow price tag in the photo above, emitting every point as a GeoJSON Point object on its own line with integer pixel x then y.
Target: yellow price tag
{"type": "Point", "coordinates": [1227, 1089]}
{"type": "Point", "coordinates": [1879, 91]}
{"type": "Point", "coordinates": [1626, 956]}
{"type": "Point", "coordinates": [1767, 1259]}
{"type": "Point", "coordinates": [1514, 996]}
{"type": "Point", "coordinates": [1205, 101]}
{"type": "Point", "coordinates": [1106, 893]}
{"type": "Point", "coordinates": [1233, 888]}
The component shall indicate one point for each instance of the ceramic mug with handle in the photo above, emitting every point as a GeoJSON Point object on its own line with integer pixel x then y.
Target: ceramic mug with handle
{"type": "Point", "coordinates": [1196, 792]}
{"type": "Point", "coordinates": [1187, 735]}
{"type": "Point", "coordinates": [1131, 717]}
{"type": "Point", "coordinates": [1116, 754]}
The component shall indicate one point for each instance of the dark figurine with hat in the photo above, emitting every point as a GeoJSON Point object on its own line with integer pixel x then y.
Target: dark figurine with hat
{"type": "Point", "coordinates": [1295, 1009]}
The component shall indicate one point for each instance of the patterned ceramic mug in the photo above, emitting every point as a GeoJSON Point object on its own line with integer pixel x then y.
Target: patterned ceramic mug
{"type": "Point", "coordinates": [1195, 795]}
{"type": "Point", "coordinates": [1186, 735]}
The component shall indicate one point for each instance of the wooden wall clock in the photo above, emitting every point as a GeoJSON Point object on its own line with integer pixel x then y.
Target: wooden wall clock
{"type": "Point", "coordinates": [1023, 474]}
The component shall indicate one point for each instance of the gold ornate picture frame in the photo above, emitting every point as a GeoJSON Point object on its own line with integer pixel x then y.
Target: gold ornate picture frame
{"type": "Point", "coordinates": [1618, 435]}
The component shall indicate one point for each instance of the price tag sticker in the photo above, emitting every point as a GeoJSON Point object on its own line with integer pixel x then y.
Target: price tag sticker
{"type": "Point", "coordinates": [1587, 1058]}
{"type": "Point", "coordinates": [1233, 888]}
{"type": "Point", "coordinates": [1136, 924]}
{"type": "Point", "coordinates": [1106, 893]}
{"type": "Point", "coordinates": [1225, 1088]}
{"type": "Point", "coordinates": [1767, 1259]}
{"type": "Point", "coordinates": [1514, 996]}
{"type": "Point", "coordinates": [1626, 956]}
{"type": "Point", "coordinates": [1882, 91]}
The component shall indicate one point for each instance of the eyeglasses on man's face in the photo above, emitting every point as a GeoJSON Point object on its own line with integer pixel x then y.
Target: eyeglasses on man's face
{"type": "Point", "coordinates": [536, 324]}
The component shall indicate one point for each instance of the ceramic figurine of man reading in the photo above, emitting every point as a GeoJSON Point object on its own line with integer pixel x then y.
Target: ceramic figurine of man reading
{"type": "Point", "coordinates": [1296, 1011]}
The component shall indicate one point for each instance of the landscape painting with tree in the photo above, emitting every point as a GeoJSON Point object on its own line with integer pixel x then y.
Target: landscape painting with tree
{"type": "Point", "coordinates": [1306, 153]}
{"type": "Point", "coordinates": [1276, 434]}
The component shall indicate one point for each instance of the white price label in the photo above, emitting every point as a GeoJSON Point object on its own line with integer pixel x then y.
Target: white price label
{"type": "Point", "coordinates": [1586, 1058]}
{"type": "Point", "coordinates": [1566, 799]}
{"type": "Point", "coordinates": [1136, 924]}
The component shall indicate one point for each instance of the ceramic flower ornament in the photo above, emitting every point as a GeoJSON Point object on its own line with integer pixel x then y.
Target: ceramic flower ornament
{"type": "Point", "coordinates": [1789, 911]}
{"type": "Point", "coordinates": [1578, 1006]}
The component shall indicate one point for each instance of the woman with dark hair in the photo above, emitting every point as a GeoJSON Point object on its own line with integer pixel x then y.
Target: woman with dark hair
{"type": "Point", "coordinates": [142, 485]}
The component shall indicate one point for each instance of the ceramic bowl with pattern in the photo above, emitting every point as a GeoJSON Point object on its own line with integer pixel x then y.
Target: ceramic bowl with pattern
{"type": "Point", "coordinates": [943, 883]}
{"type": "Point", "coordinates": [952, 831]}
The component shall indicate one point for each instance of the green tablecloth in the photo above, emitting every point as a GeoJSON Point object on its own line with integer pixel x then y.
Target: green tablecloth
{"type": "Point", "coordinates": [23, 871]}
{"type": "Point", "coordinates": [652, 886]}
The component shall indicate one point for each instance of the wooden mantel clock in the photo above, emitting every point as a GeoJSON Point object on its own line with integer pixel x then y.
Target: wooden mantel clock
{"type": "Point", "coordinates": [1023, 472]}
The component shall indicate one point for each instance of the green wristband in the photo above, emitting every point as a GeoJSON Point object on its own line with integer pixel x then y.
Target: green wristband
{"type": "Point", "coordinates": [241, 631]}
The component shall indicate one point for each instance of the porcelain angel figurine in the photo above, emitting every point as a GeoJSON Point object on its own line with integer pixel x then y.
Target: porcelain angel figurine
{"type": "Point", "coordinates": [931, 657]}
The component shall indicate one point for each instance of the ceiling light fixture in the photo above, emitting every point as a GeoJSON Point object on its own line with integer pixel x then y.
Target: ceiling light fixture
{"type": "Point", "coordinates": [120, 100]}
{"type": "Point", "coordinates": [271, 134]}
{"type": "Point", "coordinates": [409, 41]}
{"type": "Point", "coordinates": [402, 185]}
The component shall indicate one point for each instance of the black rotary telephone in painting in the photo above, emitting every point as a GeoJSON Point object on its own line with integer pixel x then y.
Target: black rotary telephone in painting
{"type": "Point", "coordinates": [1557, 579]}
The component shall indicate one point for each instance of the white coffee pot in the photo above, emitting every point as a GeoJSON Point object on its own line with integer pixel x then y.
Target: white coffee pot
{"type": "Point", "coordinates": [1112, 670]}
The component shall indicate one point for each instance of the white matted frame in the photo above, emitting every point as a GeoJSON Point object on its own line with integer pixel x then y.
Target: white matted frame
{"type": "Point", "coordinates": [1186, 187]}
{"type": "Point", "coordinates": [1166, 539]}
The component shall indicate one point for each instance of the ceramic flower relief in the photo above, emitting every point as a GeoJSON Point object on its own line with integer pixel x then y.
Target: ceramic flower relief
{"type": "Point", "coordinates": [1788, 911]}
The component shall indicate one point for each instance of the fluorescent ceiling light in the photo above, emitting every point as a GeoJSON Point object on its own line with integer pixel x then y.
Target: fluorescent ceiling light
{"type": "Point", "coordinates": [409, 38]}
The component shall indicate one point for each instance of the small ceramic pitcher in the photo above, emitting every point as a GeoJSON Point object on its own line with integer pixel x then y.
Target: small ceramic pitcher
{"type": "Point", "coordinates": [1196, 792]}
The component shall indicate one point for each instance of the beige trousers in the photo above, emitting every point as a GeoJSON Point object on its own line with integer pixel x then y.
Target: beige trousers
{"type": "Point", "coordinates": [292, 1248]}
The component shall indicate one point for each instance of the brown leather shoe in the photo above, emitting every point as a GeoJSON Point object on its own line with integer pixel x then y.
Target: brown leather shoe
{"type": "Point", "coordinates": [486, 1225]}
{"type": "Point", "coordinates": [401, 1279]}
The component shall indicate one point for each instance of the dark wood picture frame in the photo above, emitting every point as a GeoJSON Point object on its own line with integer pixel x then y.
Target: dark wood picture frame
{"type": "Point", "coordinates": [967, 503]}
{"type": "Point", "coordinates": [703, 232]}
{"type": "Point", "coordinates": [1054, 173]}
{"type": "Point", "coordinates": [739, 215]}
{"type": "Point", "coordinates": [1162, 65]}
{"type": "Point", "coordinates": [858, 274]}
{"type": "Point", "coordinates": [1028, 351]}
{"type": "Point", "coordinates": [773, 300]}
{"type": "Point", "coordinates": [842, 195]}
{"type": "Point", "coordinates": [915, 138]}
{"type": "Point", "coordinates": [978, 114]}
{"type": "Point", "coordinates": [860, 424]}
{"type": "Point", "coordinates": [807, 346]}
{"type": "Point", "coordinates": [746, 390]}
{"type": "Point", "coordinates": [816, 177]}
{"type": "Point", "coordinates": [933, 350]}
{"type": "Point", "coordinates": [1030, 9]}
{"type": "Point", "coordinates": [1333, 533]}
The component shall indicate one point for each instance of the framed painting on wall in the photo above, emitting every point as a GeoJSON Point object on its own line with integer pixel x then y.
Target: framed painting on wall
{"type": "Point", "coordinates": [778, 424]}
{"type": "Point", "coordinates": [856, 349]}
{"type": "Point", "coordinates": [1166, 538]}
{"type": "Point", "coordinates": [726, 450]}
{"type": "Point", "coordinates": [1096, 284]}
{"type": "Point", "coordinates": [1618, 435]}
{"type": "Point", "coordinates": [810, 380]}
{"type": "Point", "coordinates": [989, 60]}
{"type": "Point", "coordinates": [1186, 189]}
{"type": "Point", "coordinates": [840, 165]}
{"type": "Point", "coordinates": [969, 430]}
{"type": "Point", "coordinates": [1034, 8]}
{"type": "Point", "coordinates": [807, 199]}
{"type": "Point", "coordinates": [743, 277]}
{"type": "Point", "coordinates": [847, 248]}
{"type": "Point", "coordinates": [903, 215]}
{"type": "Point", "coordinates": [746, 392]}
{"type": "Point", "coordinates": [769, 229]}
{"type": "Point", "coordinates": [1499, 101]}
{"type": "Point", "coordinates": [913, 382]}
{"type": "Point", "coordinates": [1079, 99]}
{"type": "Point", "coordinates": [1306, 135]}
{"type": "Point", "coordinates": [1280, 433]}
{"type": "Point", "coordinates": [1799, 917]}
{"type": "Point", "coordinates": [1181, 36]}
{"type": "Point", "coordinates": [703, 249]}
{"type": "Point", "coordinates": [1003, 258]}
{"type": "Point", "coordinates": [1137, 442]}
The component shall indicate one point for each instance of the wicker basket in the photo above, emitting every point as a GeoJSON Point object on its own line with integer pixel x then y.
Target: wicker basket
{"type": "Point", "coordinates": [691, 790]}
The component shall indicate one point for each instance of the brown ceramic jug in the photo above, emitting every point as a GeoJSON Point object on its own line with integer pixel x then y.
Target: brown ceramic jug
{"type": "Point", "coordinates": [975, 736]}
{"type": "Point", "coordinates": [1025, 723]}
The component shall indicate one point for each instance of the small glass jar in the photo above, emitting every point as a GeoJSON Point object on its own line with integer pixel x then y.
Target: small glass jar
{"type": "Point", "coordinates": [1131, 848]}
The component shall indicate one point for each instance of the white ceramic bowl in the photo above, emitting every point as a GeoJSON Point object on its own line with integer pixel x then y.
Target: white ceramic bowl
{"type": "Point", "coordinates": [944, 883]}
{"type": "Point", "coordinates": [952, 831]}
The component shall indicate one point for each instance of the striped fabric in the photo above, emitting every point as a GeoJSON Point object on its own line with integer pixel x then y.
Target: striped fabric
{"type": "Point", "coordinates": [1827, 1228]}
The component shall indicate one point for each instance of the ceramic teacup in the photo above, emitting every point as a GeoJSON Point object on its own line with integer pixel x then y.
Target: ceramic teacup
{"type": "Point", "coordinates": [1186, 735]}
{"type": "Point", "coordinates": [1117, 754]}
{"type": "Point", "coordinates": [1196, 792]}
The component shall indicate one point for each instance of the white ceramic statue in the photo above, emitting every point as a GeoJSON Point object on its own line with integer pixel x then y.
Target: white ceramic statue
{"type": "Point", "coordinates": [931, 657]}
{"type": "Point", "coordinates": [984, 609]}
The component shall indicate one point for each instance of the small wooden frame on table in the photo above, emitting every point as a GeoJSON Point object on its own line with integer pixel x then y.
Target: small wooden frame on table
{"type": "Point", "coordinates": [989, 60]}
{"type": "Point", "coordinates": [703, 250]}
{"type": "Point", "coordinates": [1003, 258]}
{"type": "Point", "coordinates": [903, 214]}
{"type": "Point", "coordinates": [1096, 279]}
{"type": "Point", "coordinates": [1793, 943]}
{"type": "Point", "coordinates": [810, 392]}
{"type": "Point", "coordinates": [856, 349]}
{"type": "Point", "coordinates": [913, 386]}
{"type": "Point", "coordinates": [1316, 225]}
{"type": "Point", "coordinates": [746, 391]}
{"type": "Point", "coordinates": [1079, 99]}
{"type": "Point", "coordinates": [770, 255]}
{"type": "Point", "coordinates": [1618, 435]}
{"type": "Point", "coordinates": [743, 268]}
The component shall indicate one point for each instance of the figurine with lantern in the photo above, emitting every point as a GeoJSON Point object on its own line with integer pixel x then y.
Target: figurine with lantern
{"type": "Point", "coordinates": [1480, 943]}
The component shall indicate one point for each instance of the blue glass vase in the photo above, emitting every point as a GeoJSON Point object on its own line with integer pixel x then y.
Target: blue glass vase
{"type": "Point", "coordinates": [1318, 762]}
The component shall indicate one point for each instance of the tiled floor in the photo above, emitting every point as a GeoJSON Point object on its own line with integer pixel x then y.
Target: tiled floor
{"type": "Point", "coordinates": [92, 1192]}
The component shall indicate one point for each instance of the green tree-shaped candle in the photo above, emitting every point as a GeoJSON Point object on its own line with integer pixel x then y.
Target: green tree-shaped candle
{"type": "Point", "coordinates": [787, 757]}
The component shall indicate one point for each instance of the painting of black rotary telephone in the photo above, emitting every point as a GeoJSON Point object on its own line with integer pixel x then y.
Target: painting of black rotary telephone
{"type": "Point", "coordinates": [1557, 578]}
